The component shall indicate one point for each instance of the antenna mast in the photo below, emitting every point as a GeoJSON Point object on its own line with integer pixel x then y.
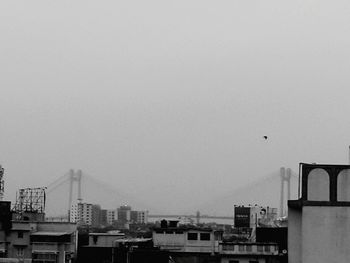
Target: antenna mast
{"type": "Point", "coordinates": [2, 184]}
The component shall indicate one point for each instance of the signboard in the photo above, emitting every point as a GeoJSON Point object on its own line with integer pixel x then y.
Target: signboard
{"type": "Point", "coordinates": [242, 217]}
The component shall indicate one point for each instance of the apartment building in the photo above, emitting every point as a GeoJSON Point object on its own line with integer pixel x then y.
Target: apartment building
{"type": "Point", "coordinates": [81, 213]}
{"type": "Point", "coordinates": [36, 241]}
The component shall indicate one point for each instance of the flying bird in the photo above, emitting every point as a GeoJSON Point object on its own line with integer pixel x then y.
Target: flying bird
{"type": "Point", "coordinates": [265, 137]}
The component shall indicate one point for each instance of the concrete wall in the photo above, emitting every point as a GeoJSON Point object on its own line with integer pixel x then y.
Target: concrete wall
{"type": "Point", "coordinates": [56, 227]}
{"type": "Point", "coordinates": [16, 243]}
{"type": "Point", "coordinates": [319, 234]}
{"type": "Point", "coordinates": [294, 235]}
{"type": "Point", "coordinates": [201, 245]}
{"type": "Point", "coordinates": [103, 240]}
{"type": "Point", "coordinates": [325, 234]}
{"type": "Point", "coordinates": [180, 242]}
{"type": "Point", "coordinates": [169, 240]}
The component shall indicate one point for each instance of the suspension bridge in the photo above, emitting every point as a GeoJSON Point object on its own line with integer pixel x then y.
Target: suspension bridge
{"type": "Point", "coordinates": [77, 186]}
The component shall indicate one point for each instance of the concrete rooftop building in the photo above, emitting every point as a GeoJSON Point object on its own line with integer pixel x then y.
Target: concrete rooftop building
{"type": "Point", "coordinates": [319, 221]}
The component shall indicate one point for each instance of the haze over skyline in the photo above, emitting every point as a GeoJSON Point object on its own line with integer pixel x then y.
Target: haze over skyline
{"type": "Point", "coordinates": [169, 101]}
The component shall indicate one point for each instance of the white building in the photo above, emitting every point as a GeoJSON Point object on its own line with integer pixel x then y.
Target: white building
{"type": "Point", "coordinates": [142, 217]}
{"type": "Point", "coordinates": [139, 217]}
{"type": "Point", "coordinates": [111, 216]}
{"type": "Point", "coordinates": [81, 213]}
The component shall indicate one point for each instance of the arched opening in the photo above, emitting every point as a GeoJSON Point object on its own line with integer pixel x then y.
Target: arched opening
{"type": "Point", "coordinates": [318, 185]}
{"type": "Point", "coordinates": [343, 185]}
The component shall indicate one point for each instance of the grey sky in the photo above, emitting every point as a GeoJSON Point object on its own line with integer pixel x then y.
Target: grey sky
{"type": "Point", "coordinates": [169, 100]}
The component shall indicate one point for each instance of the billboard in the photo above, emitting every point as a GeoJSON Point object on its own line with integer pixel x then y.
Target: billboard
{"type": "Point", "coordinates": [242, 216]}
{"type": "Point", "coordinates": [267, 217]}
{"type": "Point", "coordinates": [254, 216]}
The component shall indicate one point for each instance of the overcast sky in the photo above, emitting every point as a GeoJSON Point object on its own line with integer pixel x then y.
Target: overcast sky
{"type": "Point", "coordinates": [169, 100]}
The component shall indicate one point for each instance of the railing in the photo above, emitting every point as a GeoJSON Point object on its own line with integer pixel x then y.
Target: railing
{"type": "Point", "coordinates": [41, 246]}
{"type": "Point", "coordinates": [248, 249]}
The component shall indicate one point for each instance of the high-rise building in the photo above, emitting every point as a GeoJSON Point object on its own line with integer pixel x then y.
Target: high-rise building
{"type": "Point", "coordinates": [111, 216]}
{"type": "Point", "coordinates": [124, 213]}
{"type": "Point", "coordinates": [81, 213]}
{"type": "Point", "coordinates": [96, 215]}
{"type": "Point", "coordinates": [139, 217]}
{"type": "Point", "coordinates": [103, 217]}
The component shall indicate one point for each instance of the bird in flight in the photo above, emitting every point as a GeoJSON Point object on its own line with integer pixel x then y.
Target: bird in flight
{"type": "Point", "coordinates": [265, 137]}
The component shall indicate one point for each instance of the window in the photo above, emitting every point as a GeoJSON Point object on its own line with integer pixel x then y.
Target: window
{"type": "Point", "coordinates": [192, 236]}
{"type": "Point", "coordinates": [260, 248]}
{"type": "Point", "coordinates": [233, 261]}
{"type": "Point", "coordinates": [20, 234]}
{"type": "Point", "coordinates": [20, 252]}
{"type": "Point", "coordinates": [253, 261]}
{"type": "Point", "coordinates": [94, 239]}
{"type": "Point", "coordinates": [249, 248]}
{"type": "Point", "coordinates": [205, 236]}
{"type": "Point", "coordinates": [267, 248]}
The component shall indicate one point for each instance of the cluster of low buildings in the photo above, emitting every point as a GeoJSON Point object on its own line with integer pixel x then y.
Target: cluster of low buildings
{"type": "Point", "coordinates": [172, 242]}
{"type": "Point", "coordinates": [316, 231]}
{"type": "Point", "coordinates": [32, 240]}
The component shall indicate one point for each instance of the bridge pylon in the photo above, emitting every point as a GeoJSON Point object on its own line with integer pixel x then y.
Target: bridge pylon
{"type": "Point", "coordinates": [74, 177]}
{"type": "Point", "coordinates": [285, 180]}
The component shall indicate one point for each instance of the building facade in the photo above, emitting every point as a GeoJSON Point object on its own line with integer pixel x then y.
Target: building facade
{"type": "Point", "coordinates": [139, 217]}
{"type": "Point", "coordinates": [103, 217]}
{"type": "Point", "coordinates": [124, 213]}
{"type": "Point", "coordinates": [195, 244]}
{"type": "Point", "coordinates": [187, 239]}
{"type": "Point", "coordinates": [33, 241]}
{"type": "Point", "coordinates": [245, 252]}
{"type": "Point", "coordinates": [319, 221]}
{"type": "Point", "coordinates": [81, 213]}
{"type": "Point", "coordinates": [96, 215]}
{"type": "Point", "coordinates": [110, 216]}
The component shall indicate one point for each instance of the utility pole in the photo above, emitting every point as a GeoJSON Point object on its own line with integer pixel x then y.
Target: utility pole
{"type": "Point", "coordinates": [2, 186]}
